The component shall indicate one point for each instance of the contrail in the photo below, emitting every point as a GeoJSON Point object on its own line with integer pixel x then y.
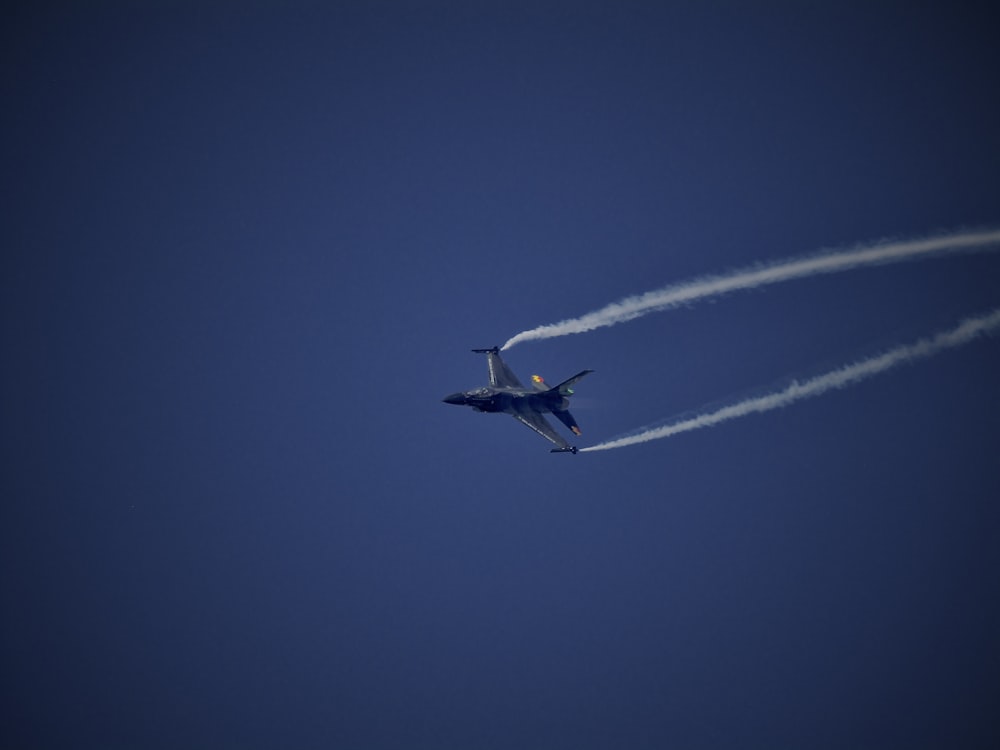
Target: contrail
{"type": "Point", "coordinates": [749, 278]}
{"type": "Point", "coordinates": [840, 378]}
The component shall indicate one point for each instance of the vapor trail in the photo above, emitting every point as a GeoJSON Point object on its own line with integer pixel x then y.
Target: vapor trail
{"type": "Point", "coordinates": [844, 376]}
{"type": "Point", "coordinates": [749, 278]}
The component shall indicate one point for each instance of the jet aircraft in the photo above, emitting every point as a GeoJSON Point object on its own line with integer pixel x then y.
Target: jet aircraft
{"type": "Point", "coordinates": [527, 405]}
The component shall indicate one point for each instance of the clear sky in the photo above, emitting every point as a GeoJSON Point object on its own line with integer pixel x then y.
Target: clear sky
{"type": "Point", "coordinates": [247, 248]}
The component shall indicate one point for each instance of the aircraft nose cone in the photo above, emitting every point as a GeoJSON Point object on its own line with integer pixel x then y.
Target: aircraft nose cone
{"type": "Point", "coordinates": [455, 398]}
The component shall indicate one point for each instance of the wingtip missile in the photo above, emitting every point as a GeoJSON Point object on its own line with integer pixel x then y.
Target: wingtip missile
{"type": "Point", "coordinates": [571, 449]}
{"type": "Point", "coordinates": [491, 350]}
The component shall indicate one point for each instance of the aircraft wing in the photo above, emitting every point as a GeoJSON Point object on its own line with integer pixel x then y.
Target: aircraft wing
{"type": "Point", "coordinates": [541, 425]}
{"type": "Point", "coordinates": [501, 376]}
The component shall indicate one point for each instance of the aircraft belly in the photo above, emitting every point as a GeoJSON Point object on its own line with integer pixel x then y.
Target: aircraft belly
{"type": "Point", "coordinates": [504, 402]}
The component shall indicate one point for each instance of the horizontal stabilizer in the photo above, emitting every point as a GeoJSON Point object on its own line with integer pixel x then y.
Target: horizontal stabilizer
{"type": "Point", "coordinates": [567, 419]}
{"type": "Point", "coordinates": [565, 387]}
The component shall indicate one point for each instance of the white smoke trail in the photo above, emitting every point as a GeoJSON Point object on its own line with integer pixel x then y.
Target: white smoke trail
{"type": "Point", "coordinates": [749, 278]}
{"type": "Point", "coordinates": [820, 384]}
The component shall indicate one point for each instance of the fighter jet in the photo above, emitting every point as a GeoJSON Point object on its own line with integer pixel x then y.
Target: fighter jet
{"type": "Point", "coordinates": [527, 405]}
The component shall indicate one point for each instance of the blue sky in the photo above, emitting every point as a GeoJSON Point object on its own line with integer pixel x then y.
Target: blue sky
{"type": "Point", "coordinates": [247, 250]}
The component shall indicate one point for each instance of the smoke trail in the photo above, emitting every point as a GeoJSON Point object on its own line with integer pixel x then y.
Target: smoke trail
{"type": "Point", "coordinates": [748, 278]}
{"type": "Point", "coordinates": [820, 384]}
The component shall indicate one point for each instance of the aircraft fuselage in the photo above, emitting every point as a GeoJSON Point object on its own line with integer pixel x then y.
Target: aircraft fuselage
{"type": "Point", "coordinates": [509, 401]}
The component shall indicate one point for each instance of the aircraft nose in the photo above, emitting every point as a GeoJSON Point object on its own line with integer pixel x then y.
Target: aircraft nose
{"type": "Point", "coordinates": [455, 398]}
